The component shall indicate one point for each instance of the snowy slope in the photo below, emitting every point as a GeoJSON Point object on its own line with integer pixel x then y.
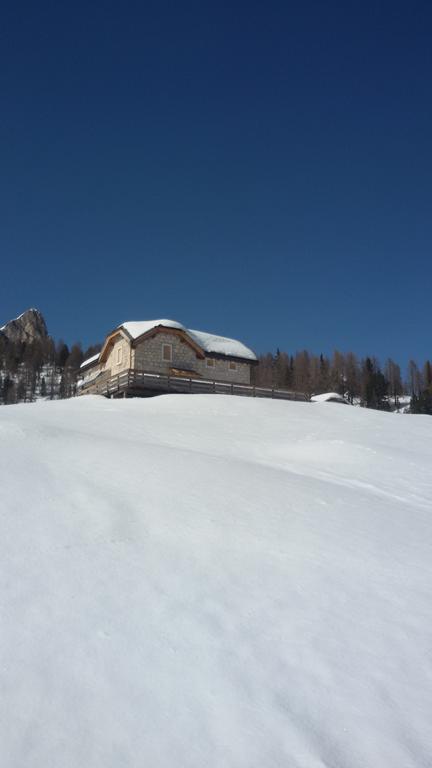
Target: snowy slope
{"type": "Point", "coordinates": [198, 581]}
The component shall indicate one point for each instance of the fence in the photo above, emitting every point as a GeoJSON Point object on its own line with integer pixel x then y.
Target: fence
{"type": "Point", "coordinates": [134, 382]}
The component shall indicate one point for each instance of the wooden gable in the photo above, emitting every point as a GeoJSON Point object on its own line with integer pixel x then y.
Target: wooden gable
{"type": "Point", "coordinates": [110, 341]}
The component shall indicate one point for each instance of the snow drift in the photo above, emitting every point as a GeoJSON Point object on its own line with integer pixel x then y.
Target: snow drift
{"type": "Point", "coordinates": [199, 581]}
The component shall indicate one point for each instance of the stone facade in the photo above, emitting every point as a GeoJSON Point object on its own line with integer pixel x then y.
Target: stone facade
{"type": "Point", "coordinates": [149, 357]}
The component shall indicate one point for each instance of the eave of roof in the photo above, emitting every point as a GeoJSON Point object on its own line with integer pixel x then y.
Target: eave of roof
{"type": "Point", "coordinates": [90, 361]}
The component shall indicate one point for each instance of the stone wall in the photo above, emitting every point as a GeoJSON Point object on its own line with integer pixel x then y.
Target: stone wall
{"type": "Point", "coordinates": [148, 357]}
{"type": "Point", "coordinates": [225, 370]}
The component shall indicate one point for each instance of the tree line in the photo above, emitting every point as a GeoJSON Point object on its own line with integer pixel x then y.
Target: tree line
{"type": "Point", "coordinates": [50, 369]}
{"type": "Point", "coordinates": [361, 381]}
{"type": "Point", "coordinates": [40, 368]}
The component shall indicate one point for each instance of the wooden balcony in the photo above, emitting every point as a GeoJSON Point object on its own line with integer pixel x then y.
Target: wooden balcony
{"type": "Point", "coordinates": [134, 383]}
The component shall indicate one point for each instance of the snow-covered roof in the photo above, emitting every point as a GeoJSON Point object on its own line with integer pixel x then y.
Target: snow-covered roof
{"type": "Point", "coordinates": [89, 360]}
{"type": "Point", "coordinates": [136, 328]}
{"type": "Point", "coordinates": [209, 342]}
{"type": "Point", "coordinates": [328, 397]}
{"type": "Point", "coordinates": [221, 345]}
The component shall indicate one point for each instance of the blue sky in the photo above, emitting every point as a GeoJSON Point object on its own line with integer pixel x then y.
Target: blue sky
{"type": "Point", "coordinates": [261, 170]}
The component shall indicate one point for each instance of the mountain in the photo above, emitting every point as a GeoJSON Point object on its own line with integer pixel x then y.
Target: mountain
{"type": "Point", "coordinates": [199, 580]}
{"type": "Point", "coordinates": [31, 366]}
{"type": "Point", "coordinates": [28, 327]}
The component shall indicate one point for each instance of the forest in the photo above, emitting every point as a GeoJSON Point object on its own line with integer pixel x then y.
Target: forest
{"type": "Point", "coordinates": [361, 381]}
{"type": "Point", "coordinates": [39, 368]}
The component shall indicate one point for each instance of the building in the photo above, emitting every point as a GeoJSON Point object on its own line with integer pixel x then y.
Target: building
{"type": "Point", "coordinates": [163, 354]}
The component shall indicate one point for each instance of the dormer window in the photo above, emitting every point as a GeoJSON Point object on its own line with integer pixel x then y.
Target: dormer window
{"type": "Point", "coordinates": [167, 353]}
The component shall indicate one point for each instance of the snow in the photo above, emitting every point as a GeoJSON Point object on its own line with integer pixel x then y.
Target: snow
{"type": "Point", "coordinates": [214, 581]}
{"type": "Point", "coordinates": [328, 397]}
{"type": "Point", "coordinates": [90, 360]}
{"type": "Point", "coordinates": [136, 328]}
{"type": "Point", "coordinates": [207, 341]}
{"type": "Point", "coordinates": [222, 345]}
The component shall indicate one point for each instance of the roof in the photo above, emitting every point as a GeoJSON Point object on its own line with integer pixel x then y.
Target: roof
{"type": "Point", "coordinates": [209, 342]}
{"type": "Point", "coordinates": [136, 328]}
{"type": "Point", "coordinates": [89, 361]}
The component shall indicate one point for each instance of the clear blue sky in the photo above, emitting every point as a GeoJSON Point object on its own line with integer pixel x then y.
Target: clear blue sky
{"type": "Point", "coordinates": [257, 169]}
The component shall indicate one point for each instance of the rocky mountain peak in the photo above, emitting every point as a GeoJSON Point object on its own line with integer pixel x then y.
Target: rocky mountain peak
{"type": "Point", "coordinates": [29, 326]}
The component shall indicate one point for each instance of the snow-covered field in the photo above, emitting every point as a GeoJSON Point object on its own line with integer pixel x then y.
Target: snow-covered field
{"type": "Point", "coordinates": [202, 581]}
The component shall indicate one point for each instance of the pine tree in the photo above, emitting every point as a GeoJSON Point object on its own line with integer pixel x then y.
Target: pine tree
{"type": "Point", "coordinates": [422, 403]}
{"type": "Point", "coordinates": [324, 374]}
{"type": "Point", "coordinates": [375, 386]}
{"type": "Point", "coordinates": [21, 391]}
{"type": "Point", "coordinates": [427, 374]}
{"type": "Point", "coordinates": [62, 353]}
{"type": "Point", "coordinates": [352, 377]}
{"type": "Point", "coordinates": [8, 390]}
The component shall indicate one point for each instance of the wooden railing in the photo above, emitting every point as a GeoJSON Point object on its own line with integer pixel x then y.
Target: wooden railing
{"type": "Point", "coordinates": [133, 381]}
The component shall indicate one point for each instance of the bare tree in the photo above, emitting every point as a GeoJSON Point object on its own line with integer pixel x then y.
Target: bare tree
{"type": "Point", "coordinates": [414, 379]}
{"type": "Point", "coordinates": [393, 376]}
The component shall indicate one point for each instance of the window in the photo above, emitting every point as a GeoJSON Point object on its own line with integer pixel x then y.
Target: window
{"type": "Point", "coordinates": [232, 366]}
{"type": "Point", "coordinates": [210, 362]}
{"type": "Point", "coordinates": [119, 355]}
{"type": "Point", "coordinates": [167, 353]}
